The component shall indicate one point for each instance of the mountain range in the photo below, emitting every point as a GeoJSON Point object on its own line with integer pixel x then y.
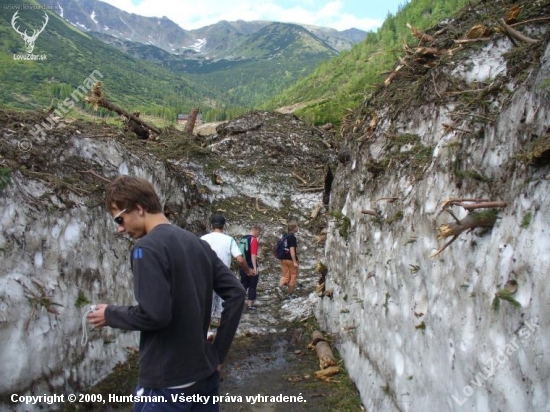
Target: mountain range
{"type": "Point", "coordinates": [153, 65]}
{"type": "Point", "coordinates": [217, 41]}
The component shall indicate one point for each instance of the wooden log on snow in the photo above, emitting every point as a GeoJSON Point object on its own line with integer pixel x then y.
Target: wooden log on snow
{"type": "Point", "coordinates": [324, 352]}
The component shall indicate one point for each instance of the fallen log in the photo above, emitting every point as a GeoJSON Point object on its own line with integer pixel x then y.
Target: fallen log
{"type": "Point", "coordinates": [316, 337]}
{"type": "Point", "coordinates": [97, 99]}
{"type": "Point", "coordinates": [324, 352]}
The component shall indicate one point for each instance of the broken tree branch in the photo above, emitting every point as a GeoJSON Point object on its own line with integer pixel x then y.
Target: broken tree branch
{"type": "Point", "coordinates": [97, 99]}
{"type": "Point", "coordinates": [529, 21]}
{"type": "Point", "coordinates": [258, 207]}
{"type": "Point", "coordinates": [514, 34]}
{"type": "Point", "coordinates": [300, 178]}
{"type": "Point", "coordinates": [369, 212]}
{"type": "Point", "coordinates": [312, 189]}
{"type": "Point", "coordinates": [463, 41]}
{"type": "Point", "coordinates": [484, 219]}
{"type": "Point", "coordinates": [325, 373]}
{"type": "Point", "coordinates": [459, 201]}
{"type": "Point", "coordinates": [420, 35]}
{"type": "Point", "coordinates": [442, 248]}
{"type": "Point", "coordinates": [429, 51]}
{"type": "Point", "coordinates": [470, 221]}
{"type": "Point", "coordinates": [464, 91]}
{"type": "Point", "coordinates": [435, 86]}
{"type": "Point", "coordinates": [390, 199]}
{"type": "Point", "coordinates": [485, 205]}
{"type": "Point", "coordinates": [448, 127]}
{"type": "Point", "coordinates": [392, 75]}
{"type": "Point", "coordinates": [95, 174]}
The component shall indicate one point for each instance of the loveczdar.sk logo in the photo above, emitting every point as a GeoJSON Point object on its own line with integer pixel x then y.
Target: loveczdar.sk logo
{"type": "Point", "coordinates": [29, 40]}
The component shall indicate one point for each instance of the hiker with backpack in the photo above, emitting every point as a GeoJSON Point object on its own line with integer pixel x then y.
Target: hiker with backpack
{"type": "Point", "coordinates": [286, 252]}
{"type": "Point", "coordinates": [225, 247]}
{"type": "Point", "coordinates": [249, 249]}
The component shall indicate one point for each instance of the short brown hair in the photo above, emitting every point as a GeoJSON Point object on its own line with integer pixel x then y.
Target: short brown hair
{"type": "Point", "coordinates": [126, 192]}
{"type": "Point", "coordinates": [292, 225]}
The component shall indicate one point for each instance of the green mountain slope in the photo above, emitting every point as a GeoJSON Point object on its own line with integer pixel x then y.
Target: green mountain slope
{"type": "Point", "coordinates": [342, 82]}
{"type": "Point", "coordinates": [70, 56]}
{"type": "Point", "coordinates": [262, 65]}
{"type": "Point", "coordinates": [269, 61]}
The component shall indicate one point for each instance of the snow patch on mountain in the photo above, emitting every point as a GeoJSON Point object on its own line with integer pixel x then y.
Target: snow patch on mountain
{"type": "Point", "coordinates": [199, 44]}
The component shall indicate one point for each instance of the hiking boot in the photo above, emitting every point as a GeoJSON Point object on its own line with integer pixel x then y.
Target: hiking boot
{"type": "Point", "coordinates": [251, 308]}
{"type": "Point", "coordinates": [293, 296]}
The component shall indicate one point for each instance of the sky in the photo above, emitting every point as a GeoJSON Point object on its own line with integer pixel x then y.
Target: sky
{"type": "Point", "coordinates": [339, 14]}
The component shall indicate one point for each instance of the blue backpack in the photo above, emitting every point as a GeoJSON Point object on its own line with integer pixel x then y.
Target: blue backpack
{"type": "Point", "coordinates": [281, 248]}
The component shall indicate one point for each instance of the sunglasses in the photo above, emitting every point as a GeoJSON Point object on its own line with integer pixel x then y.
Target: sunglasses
{"type": "Point", "coordinates": [119, 220]}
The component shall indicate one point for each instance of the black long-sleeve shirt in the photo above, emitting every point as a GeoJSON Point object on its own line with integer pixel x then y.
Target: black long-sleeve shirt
{"type": "Point", "coordinates": [174, 275]}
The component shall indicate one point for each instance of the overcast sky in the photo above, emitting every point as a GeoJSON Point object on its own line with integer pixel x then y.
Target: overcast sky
{"type": "Point", "coordinates": [338, 14]}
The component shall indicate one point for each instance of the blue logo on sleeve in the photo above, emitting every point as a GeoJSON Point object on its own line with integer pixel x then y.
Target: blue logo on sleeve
{"type": "Point", "coordinates": [138, 253]}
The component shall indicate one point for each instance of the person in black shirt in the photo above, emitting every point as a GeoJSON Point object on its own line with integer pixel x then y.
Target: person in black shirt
{"type": "Point", "coordinates": [290, 262]}
{"type": "Point", "coordinates": [175, 273]}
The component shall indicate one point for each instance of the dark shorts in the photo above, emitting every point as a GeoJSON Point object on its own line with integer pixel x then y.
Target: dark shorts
{"type": "Point", "coordinates": [250, 283]}
{"type": "Point", "coordinates": [161, 400]}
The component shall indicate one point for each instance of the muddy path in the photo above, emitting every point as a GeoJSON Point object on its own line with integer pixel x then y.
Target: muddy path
{"type": "Point", "coordinates": [270, 358]}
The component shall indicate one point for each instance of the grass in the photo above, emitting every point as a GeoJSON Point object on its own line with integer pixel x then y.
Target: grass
{"type": "Point", "coordinates": [526, 221]}
{"type": "Point", "coordinates": [472, 174]}
{"type": "Point", "coordinates": [504, 294]}
{"type": "Point", "coordinates": [81, 300]}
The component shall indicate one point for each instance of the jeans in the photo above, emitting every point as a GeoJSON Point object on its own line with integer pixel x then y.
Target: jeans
{"type": "Point", "coordinates": [160, 400]}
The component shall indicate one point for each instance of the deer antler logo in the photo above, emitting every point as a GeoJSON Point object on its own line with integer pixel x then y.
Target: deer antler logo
{"type": "Point", "coordinates": [29, 40]}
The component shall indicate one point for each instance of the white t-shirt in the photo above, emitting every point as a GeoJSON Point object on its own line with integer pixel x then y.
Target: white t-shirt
{"type": "Point", "coordinates": [224, 246]}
